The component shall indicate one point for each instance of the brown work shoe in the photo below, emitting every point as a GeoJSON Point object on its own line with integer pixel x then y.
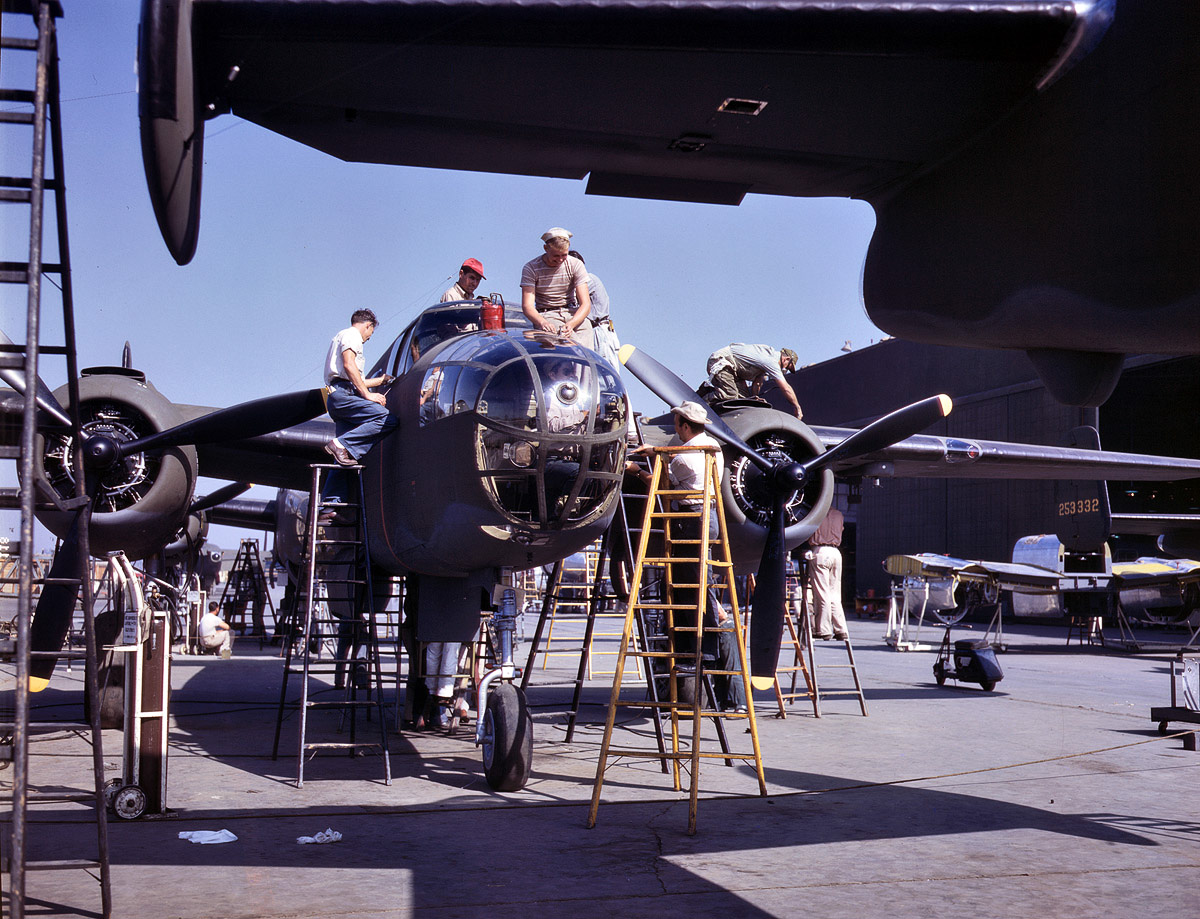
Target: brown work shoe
{"type": "Point", "coordinates": [340, 453]}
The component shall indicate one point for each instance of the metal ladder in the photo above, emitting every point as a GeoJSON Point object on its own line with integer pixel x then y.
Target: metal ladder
{"type": "Point", "coordinates": [684, 620]}
{"type": "Point", "coordinates": [246, 586]}
{"type": "Point", "coordinates": [40, 110]}
{"type": "Point", "coordinates": [337, 577]}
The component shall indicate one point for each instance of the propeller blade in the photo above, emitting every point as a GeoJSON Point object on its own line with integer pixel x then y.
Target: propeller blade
{"type": "Point", "coordinates": [672, 390]}
{"type": "Point", "coordinates": [890, 429]}
{"type": "Point", "coordinates": [45, 399]}
{"type": "Point", "coordinates": [56, 605]}
{"type": "Point", "coordinates": [220, 496]}
{"type": "Point", "coordinates": [769, 603]}
{"type": "Point", "coordinates": [238, 422]}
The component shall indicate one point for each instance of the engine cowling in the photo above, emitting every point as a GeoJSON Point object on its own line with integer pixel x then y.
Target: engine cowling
{"type": "Point", "coordinates": [781, 437]}
{"type": "Point", "coordinates": [143, 499]}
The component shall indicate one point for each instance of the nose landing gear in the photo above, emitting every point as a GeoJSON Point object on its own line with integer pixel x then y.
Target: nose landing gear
{"type": "Point", "coordinates": [505, 729]}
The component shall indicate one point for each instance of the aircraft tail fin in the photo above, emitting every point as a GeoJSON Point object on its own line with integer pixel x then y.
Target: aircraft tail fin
{"type": "Point", "coordinates": [1082, 515]}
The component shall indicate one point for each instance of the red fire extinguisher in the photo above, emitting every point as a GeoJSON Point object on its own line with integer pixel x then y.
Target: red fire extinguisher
{"type": "Point", "coordinates": [491, 314]}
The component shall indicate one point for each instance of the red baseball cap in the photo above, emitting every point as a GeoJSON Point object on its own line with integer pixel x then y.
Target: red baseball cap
{"type": "Point", "coordinates": [475, 265]}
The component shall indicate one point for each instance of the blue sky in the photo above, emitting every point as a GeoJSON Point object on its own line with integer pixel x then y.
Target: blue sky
{"type": "Point", "coordinates": [293, 240]}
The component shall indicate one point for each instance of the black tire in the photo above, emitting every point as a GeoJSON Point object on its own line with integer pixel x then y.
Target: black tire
{"type": "Point", "coordinates": [1163, 727]}
{"type": "Point", "coordinates": [507, 739]}
{"type": "Point", "coordinates": [988, 685]}
{"type": "Point", "coordinates": [939, 673]}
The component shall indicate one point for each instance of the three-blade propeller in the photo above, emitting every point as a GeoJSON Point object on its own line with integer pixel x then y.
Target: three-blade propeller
{"type": "Point", "coordinates": [52, 617]}
{"type": "Point", "coordinates": [782, 479]}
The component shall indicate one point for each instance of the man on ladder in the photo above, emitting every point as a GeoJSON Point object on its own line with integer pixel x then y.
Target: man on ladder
{"type": "Point", "coordinates": [687, 471]}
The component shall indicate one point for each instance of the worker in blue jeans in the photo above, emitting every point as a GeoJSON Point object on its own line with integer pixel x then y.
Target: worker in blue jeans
{"type": "Point", "coordinates": [360, 416]}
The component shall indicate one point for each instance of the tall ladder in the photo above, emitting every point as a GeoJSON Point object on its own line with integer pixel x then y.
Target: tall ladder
{"type": "Point", "coordinates": [247, 586]}
{"type": "Point", "coordinates": [19, 366]}
{"type": "Point", "coordinates": [683, 620]}
{"type": "Point", "coordinates": [337, 578]}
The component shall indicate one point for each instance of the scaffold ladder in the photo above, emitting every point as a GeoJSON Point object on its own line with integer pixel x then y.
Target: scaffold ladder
{"type": "Point", "coordinates": [687, 561]}
{"type": "Point", "coordinates": [38, 109]}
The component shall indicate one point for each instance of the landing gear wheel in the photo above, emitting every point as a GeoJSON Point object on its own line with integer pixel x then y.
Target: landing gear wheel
{"type": "Point", "coordinates": [939, 673]}
{"type": "Point", "coordinates": [988, 685]}
{"type": "Point", "coordinates": [1163, 726]}
{"type": "Point", "coordinates": [507, 739]}
{"type": "Point", "coordinates": [129, 802]}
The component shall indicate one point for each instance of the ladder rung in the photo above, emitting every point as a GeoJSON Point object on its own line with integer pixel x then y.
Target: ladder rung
{"type": "Point", "coordinates": [329, 745]}
{"type": "Point", "coordinates": [18, 44]}
{"type": "Point", "coordinates": [16, 117]}
{"type": "Point", "coordinates": [80, 797]}
{"type": "Point", "coordinates": [16, 196]}
{"type": "Point", "coordinates": [60, 864]}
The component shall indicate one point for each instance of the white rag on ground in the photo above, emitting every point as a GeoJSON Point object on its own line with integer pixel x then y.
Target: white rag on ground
{"type": "Point", "coordinates": [207, 837]}
{"type": "Point", "coordinates": [329, 835]}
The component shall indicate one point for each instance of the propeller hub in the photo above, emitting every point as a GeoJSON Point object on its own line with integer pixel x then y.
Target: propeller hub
{"type": "Point", "coordinates": [787, 478]}
{"type": "Point", "coordinates": [100, 451]}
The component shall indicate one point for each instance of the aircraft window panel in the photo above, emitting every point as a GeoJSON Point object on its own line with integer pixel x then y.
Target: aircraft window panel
{"type": "Point", "coordinates": [445, 396]}
{"type": "Point", "coordinates": [470, 384]}
{"type": "Point", "coordinates": [431, 389]}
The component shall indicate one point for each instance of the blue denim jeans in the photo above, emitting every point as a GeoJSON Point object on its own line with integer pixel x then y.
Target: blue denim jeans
{"type": "Point", "coordinates": [358, 424]}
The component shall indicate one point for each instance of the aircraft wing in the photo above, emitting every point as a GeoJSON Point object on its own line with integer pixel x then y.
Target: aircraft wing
{"type": "Point", "coordinates": [1008, 575]}
{"type": "Point", "coordinates": [1029, 161]}
{"type": "Point", "coordinates": [954, 457]}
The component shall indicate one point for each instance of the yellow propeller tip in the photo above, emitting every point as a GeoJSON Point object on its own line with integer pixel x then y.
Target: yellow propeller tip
{"type": "Point", "coordinates": [625, 353]}
{"type": "Point", "coordinates": [947, 404]}
{"type": "Point", "coordinates": [762, 683]}
{"type": "Point", "coordinates": [37, 683]}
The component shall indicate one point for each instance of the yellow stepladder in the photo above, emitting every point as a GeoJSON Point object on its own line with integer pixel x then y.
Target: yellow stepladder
{"type": "Point", "coordinates": [680, 553]}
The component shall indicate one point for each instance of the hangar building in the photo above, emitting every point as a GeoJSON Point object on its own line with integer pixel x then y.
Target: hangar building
{"type": "Point", "coordinates": [997, 396]}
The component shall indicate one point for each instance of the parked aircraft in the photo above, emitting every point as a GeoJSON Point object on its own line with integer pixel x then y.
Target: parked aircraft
{"type": "Point", "coordinates": [476, 477]}
{"type": "Point", "coordinates": [1029, 162]}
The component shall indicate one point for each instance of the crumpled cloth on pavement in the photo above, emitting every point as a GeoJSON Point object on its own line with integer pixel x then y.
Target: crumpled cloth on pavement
{"type": "Point", "coordinates": [207, 837]}
{"type": "Point", "coordinates": [329, 835]}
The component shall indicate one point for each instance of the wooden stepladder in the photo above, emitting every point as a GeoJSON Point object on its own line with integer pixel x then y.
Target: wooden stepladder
{"type": "Point", "coordinates": [691, 578]}
{"type": "Point", "coordinates": [799, 635]}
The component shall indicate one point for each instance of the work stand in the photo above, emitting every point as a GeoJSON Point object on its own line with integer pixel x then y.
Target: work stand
{"type": "Point", "coordinates": [336, 600]}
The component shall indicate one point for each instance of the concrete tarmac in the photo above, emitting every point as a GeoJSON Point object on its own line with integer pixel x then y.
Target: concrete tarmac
{"type": "Point", "coordinates": [1054, 795]}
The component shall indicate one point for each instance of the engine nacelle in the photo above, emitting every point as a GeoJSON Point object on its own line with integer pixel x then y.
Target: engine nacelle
{"type": "Point", "coordinates": [143, 500]}
{"type": "Point", "coordinates": [777, 436]}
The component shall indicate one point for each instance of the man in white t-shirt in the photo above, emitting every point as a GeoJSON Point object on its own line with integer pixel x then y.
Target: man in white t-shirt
{"type": "Point", "coordinates": [360, 416]}
{"type": "Point", "coordinates": [214, 633]}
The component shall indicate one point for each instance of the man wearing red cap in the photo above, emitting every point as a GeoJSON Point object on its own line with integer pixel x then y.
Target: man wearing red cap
{"type": "Point", "coordinates": [469, 276]}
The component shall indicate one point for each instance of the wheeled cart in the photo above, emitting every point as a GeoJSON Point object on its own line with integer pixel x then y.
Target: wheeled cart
{"type": "Point", "coordinates": [971, 660]}
{"type": "Point", "coordinates": [1185, 689]}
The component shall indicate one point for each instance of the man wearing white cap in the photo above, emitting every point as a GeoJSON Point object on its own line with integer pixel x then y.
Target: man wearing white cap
{"type": "Point", "coordinates": [546, 286]}
{"type": "Point", "coordinates": [469, 276]}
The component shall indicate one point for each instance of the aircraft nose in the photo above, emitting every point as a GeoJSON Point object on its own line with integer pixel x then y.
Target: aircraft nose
{"type": "Point", "coordinates": [553, 436]}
